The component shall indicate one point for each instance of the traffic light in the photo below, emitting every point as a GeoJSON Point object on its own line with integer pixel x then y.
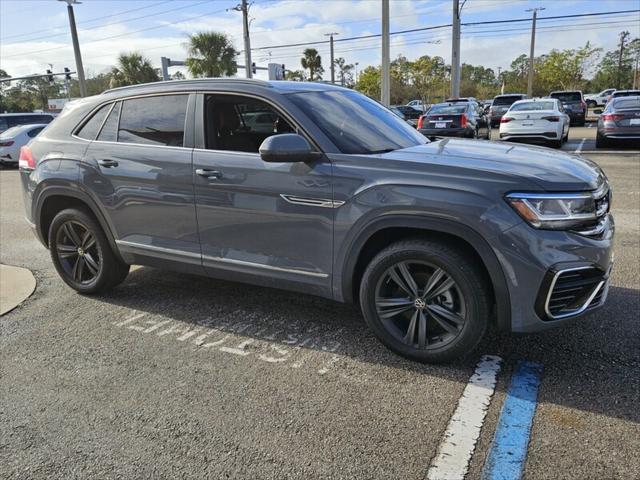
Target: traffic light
{"type": "Point", "coordinates": [67, 73]}
{"type": "Point", "coordinates": [253, 68]}
{"type": "Point", "coordinates": [50, 76]}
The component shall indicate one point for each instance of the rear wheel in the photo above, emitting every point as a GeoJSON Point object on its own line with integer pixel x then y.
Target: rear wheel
{"type": "Point", "coordinates": [555, 143]}
{"type": "Point", "coordinates": [425, 301]}
{"type": "Point", "coordinates": [81, 253]}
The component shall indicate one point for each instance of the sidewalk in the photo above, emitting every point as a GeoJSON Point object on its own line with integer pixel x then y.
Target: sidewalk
{"type": "Point", "coordinates": [16, 285]}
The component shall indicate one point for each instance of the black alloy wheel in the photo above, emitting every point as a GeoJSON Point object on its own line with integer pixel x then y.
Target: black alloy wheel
{"type": "Point", "coordinates": [77, 252]}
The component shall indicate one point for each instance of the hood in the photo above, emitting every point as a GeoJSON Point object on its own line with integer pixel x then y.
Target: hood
{"type": "Point", "coordinates": [551, 170]}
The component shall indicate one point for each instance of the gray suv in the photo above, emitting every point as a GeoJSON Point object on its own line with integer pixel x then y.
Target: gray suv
{"type": "Point", "coordinates": [339, 198]}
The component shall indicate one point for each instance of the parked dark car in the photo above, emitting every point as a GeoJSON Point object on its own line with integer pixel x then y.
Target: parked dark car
{"type": "Point", "coordinates": [501, 104]}
{"type": "Point", "coordinates": [410, 114]}
{"type": "Point", "coordinates": [8, 120]}
{"type": "Point", "coordinates": [573, 104]}
{"type": "Point", "coordinates": [461, 119]}
{"type": "Point", "coordinates": [433, 240]}
{"type": "Point", "coordinates": [620, 122]}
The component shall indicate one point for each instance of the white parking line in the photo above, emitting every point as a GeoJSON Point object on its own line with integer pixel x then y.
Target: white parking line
{"type": "Point", "coordinates": [580, 146]}
{"type": "Point", "coordinates": [459, 441]}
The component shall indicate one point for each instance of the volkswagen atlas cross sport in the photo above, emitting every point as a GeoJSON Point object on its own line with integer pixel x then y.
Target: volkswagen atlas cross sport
{"type": "Point", "coordinates": [340, 198]}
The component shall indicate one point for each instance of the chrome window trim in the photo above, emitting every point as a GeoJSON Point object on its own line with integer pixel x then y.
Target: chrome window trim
{"type": "Point", "coordinates": [586, 303]}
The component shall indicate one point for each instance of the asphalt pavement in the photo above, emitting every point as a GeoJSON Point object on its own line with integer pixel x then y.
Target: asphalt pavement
{"type": "Point", "coordinates": [177, 376]}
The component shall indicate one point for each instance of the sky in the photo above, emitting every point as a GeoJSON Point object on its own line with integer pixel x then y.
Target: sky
{"type": "Point", "coordinates": [35, 33]}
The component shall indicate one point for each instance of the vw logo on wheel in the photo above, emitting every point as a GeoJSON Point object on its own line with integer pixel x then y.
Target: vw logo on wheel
{"type": "Point", "coordinates": [420, 303]}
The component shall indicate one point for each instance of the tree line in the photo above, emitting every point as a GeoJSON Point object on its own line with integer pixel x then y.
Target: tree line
{"type": "Point", "coordinates": [212, 54]}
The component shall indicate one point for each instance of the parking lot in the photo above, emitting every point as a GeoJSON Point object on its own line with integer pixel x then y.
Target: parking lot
{"type": "Point", "coordinates": [177, 376]}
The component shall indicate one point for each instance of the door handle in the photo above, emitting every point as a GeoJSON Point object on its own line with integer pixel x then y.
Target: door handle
{"type": "Point", "coordinates": [107, 163]}
{"type": "Point", "coordinates": [205, 172]}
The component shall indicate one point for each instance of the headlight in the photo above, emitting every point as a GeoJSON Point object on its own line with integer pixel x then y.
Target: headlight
{"type": "Point", "coordinates": [558, 211]}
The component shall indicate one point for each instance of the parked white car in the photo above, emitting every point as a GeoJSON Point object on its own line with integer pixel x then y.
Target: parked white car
{"type": "Point", "coordinates": [536, 120]}
{"type": "Point", "coordinates": [418, 105]}
{"type": "Point", "coordinates": [11, 140]}
{"type": "Point", "coordinates": [598, 99]}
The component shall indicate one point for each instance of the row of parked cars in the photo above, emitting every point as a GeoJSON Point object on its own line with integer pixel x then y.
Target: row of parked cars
{"type": "Point", "coordinates": [520, 118]}
{"type": "Point", "coordinates": [16, 130]}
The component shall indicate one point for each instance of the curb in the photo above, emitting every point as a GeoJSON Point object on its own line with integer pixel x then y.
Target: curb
{"type": "Point", "coordinates": [16, 285]}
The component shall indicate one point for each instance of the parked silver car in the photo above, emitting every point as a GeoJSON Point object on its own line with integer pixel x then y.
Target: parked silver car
{"type": "Point", "coordinates": [620, 121]}
{"type": "Point", "coordinates": [14, 138]}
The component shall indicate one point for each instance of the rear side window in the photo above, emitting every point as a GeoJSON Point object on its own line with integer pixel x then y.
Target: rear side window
{"type": "Point", "coordinates": [92, 127]}
{"type": "Point", "coordinates": [34, 132]}
{"type": "Point", "coordinates": [109, 132]}
{"type": "Point", "coordinates": [153, 120]}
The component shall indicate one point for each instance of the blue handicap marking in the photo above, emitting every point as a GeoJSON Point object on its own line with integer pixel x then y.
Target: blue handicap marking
{"type": "Point", "coordinates": [508, 452]}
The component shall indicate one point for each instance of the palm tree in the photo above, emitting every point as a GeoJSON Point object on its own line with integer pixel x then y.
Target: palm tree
{"type": "Point", "coordinates": [344, 69]}
{"type": "Point", "coordinates": [132, 69]}
{"type": "Point", "coordinates": [211, 54]}
{"type": "Point", "coordinates": [312, 62]}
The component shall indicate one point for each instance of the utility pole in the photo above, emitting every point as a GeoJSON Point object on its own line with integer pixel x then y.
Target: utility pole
{"type": "Point", "coordinates": [333, 67]}
{"type": "Point", "coordinates": [76, 45]}
{"type": "Point", "coordinates": [385, 81]}
{"type": "Point", "coordinates": [357, 63]}
{"type": "Point", "coordinates": [531, 51]}
{"type": "Point", "coordinates": [244, 8]}
{"type": "Point", "coordinates": [623, 38]}
{"type": "Point", "coordinates": [455, 48]}
{"type": "Point", "coordinates": [635, 74]}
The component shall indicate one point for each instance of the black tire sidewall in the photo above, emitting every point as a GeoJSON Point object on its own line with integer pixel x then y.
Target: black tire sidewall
{"type": "Point", "coordinates": [108, 263]}
{"type": "Point", "coordinates": [466, 276]}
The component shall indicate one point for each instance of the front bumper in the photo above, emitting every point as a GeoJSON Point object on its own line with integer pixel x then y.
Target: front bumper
{"type": "Point", "coordinates": [531, 257]}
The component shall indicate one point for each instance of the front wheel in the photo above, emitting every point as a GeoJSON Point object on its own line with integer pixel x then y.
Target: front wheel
{"type": "Point", "coordinates": [81, 253]}
{"type": "Point", "coordinates": [425, 300]}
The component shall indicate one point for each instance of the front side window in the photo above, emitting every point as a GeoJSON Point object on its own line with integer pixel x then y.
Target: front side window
{"type": "Point", "coordinates": [355, 123]}
{"type": "Point", "coordinates": [239, 123]}
{"type": "Point", "coordinates": [153, 120]}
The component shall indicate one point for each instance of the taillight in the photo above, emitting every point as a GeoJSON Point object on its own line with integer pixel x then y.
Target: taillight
{"type": "Point", "coordinates": [505, 119]}
{"type": "Point", "coordinates": [612, 117]}
{"type": "Point", "coordinates": [463, 120]}
{"type": "Point", "coordinates": [421, 121]}
{"type": "Point", "coordinates": [7, 143]}
{"type": "Point", "coordinates": [26, 159]}
{"type": "Point", "coordinates": [551, 119]}
{"type": "Point", "coordinates": [583, 105]}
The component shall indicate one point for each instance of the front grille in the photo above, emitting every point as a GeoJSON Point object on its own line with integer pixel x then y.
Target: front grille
{"type": "Point", "coordinates": [573, 291]}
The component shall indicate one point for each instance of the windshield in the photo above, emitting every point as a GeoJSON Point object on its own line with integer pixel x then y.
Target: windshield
{"type": "Point", "coordinates": [519, 107]}
{"type": "Point", "coordinates": [506, 100]}
{"type": "Point", "coordinates": [567, 96]}
{"type": "Point", "coordinates": [355, 123]}
{"type": "Point", "coordinates": [447, 110]}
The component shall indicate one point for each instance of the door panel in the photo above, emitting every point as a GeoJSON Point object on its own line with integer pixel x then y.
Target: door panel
{"type": "Point", "coordinates": [265, 218]}
{"type": "Point", "coordinates": [147, 189]}
{"type": "Point", "coordinates": [261, 220]}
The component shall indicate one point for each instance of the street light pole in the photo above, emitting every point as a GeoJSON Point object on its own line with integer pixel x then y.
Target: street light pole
{"type": "Point", "coordinates": [532, 49]}
{"type": "Point", "coordinates": [76, 45]}
{"type": "Point", "coordinates": [455, 49]}
{"type": "Point", "coordinates": [333, 67]}
{"type": "Point", "coordinates": [385, 81]}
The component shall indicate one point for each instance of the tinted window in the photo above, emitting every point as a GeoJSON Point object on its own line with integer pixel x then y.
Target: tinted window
{"type": "Point", "coordinates": [355, 123]}
{"type": "Point", "coordinates": [3, 124]}
{"type": "Point", "coordinates": [567, 96]}
{"type": "Point", "coordinates": [506, 99]}
{"type": "Point", "coordinates": [240, 123]}
{"type": "Point", "coordinates": [154, 120]}
{"type": "Point", "coordinates": [447, 109]}
{"type": "Point", "coordinates": [109, 132]}
{"type": "Point", "coordinates": [628, 93]}
{"type": "Point", "coordinates": [533, 106]}
{"type": "Point", "coordinates": [91, 128]}
{"type": "Point", "coordinates": [32, 133]}
{"type": "Point", "coordinates": [625, 103]}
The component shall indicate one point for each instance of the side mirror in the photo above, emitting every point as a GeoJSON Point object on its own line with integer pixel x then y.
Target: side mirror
{"type": "Point", "coordinates": [287, 147]}
{"type": "Point", "coordinates": [598, 111]}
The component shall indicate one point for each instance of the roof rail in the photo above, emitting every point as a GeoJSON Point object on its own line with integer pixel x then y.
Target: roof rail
{"type": "Point", "coordinates": [195, 81]}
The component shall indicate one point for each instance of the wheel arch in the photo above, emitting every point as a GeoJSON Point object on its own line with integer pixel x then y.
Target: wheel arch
{"type": "Point", "coordinates": [383, 231]}
{"type": "Point", "coordinates": [54, 199]}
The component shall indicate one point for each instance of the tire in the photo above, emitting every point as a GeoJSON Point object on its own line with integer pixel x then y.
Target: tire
{"type": "Point", "coordinates": [555, 143]}
{"type": "Point", "coordinates": [467, 299]}
{"type": "Point", "coordinates": [602, 142]}
{"type": "Point", "coordinates": [81, 253]}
